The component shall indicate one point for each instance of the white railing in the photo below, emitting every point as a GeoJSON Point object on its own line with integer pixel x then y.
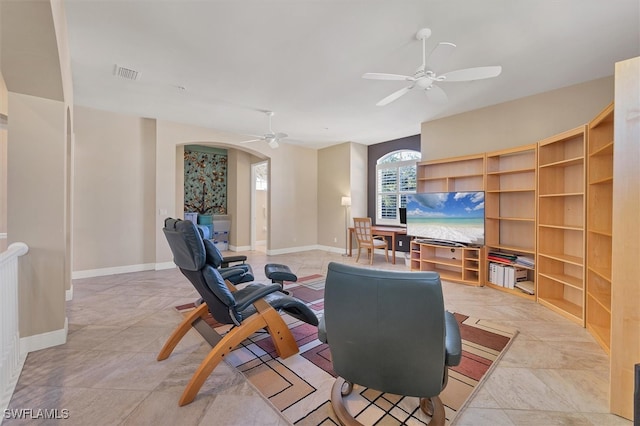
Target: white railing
{"type": "Point", "coordinates": [11, 358]}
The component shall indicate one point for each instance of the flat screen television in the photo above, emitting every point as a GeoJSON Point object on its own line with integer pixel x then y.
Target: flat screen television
{"type": "Point", "coordinates": [451, 218]}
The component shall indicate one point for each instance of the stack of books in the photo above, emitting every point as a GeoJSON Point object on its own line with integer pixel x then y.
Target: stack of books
{"type": "Point", "coordinates": [506, 275]}
{"type": "Point", "coordinates": [502, 257]}
{"type": "Point", "coordinates": [526, 261]}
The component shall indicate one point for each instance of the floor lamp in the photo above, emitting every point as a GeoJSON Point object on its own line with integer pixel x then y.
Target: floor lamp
{"type": "Point", "coordinates": [346, 202]}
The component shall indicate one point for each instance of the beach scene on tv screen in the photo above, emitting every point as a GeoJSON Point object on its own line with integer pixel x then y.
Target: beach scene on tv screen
{"type": "Point", "coordinates": [450, 216]}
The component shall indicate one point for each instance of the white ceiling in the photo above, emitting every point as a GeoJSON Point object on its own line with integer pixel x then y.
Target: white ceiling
{"type": "Point", "coordinates": [304, 59]}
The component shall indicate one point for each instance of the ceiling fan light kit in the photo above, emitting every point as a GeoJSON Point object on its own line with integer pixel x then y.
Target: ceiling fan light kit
{"type": "Point", "coordinates": [272, 139]}
{"type": "Point", "coordinates": [425, 78]}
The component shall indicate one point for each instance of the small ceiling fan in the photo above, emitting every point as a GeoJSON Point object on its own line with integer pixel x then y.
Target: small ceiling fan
{"type": "Point", "coordinates": [271, 138]}
{"type": "Point", "coordinates": [425, 78]}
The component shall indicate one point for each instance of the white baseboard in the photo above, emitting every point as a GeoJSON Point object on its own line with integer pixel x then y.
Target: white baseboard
{"type": "Point", "coordinates": [44, 340]}
{"type": "Point", "coordinates": [68, 294]}
{"type": "Point", "coordinates": [89, 273]}
{"type": "Point", "coordinates": [165, 265]}
{"type": "Point", "coordinates": [294, 249]}
{"type": "Point", "coordinates": [331, 249]}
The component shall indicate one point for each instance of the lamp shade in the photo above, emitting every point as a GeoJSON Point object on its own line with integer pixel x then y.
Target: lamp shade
{"type": "Point", "coordinates": [346, 201]}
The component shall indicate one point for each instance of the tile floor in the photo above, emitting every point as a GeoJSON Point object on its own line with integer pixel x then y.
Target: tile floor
{"type": "Point", "coordinates": [107, 373]}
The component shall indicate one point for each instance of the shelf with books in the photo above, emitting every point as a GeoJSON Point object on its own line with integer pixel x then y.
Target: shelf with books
{"type": "Point", "coordinates": [506, 269]}
{"type": "Point", "coordinates": [510, 207]}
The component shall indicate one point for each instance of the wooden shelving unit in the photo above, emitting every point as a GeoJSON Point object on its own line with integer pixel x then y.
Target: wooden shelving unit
{"type": "Point", "coordinates": [599, 226]}
{"type": "Point", "coordinates": [510, 207]}
{"type": "Point", "coordinates": [451, 174]}
{"type": "Point", "coordinates": [457, 264]}
{"type": "Point", "coordinates": [560, 264]}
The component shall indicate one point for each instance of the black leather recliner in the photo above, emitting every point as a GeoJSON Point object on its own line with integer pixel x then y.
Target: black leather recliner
{"type": "Point", "coordinates": [249, 309]}
{"type": "Point", "coordinates": [237, 274]}
{"type": "Point", "coordinates": [400, 341]}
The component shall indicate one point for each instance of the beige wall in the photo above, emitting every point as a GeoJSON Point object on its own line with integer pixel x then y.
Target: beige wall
{"type": "Point", "coordinates": [130, 169]}
{"type": "Point", "coordinates": [239, 197]}
{"type": "Point", "coordinates": [334, 165]}
{"type": "Point", "coordinates": [358, 180]}
{"type": "Point", "coordinates": [39, 145]}
{"type": "Point", "coordinates": [515, 123]}
{"type": "Point", "coordinates": [342, 171]}
{"type": "Point", "coordinates": [114, 190]}
{"type": "Point", "coordinates": [35, 213]}
{"type": "Point", "coordinates": [64, 56]}
{"type": "Point", "coordinates": [293, 204]}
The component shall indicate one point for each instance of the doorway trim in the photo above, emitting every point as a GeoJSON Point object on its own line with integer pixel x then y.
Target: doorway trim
{"type": "Point", "coordinates": [254, 206]}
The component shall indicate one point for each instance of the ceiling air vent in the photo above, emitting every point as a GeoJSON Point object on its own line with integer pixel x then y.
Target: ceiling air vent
{"type": "Point", "coordinates": [126, 73]}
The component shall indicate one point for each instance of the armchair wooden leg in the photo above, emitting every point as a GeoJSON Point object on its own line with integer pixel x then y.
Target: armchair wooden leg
{"type": "Point", "coordinates": [432, 407]}
{"type": "Point", "coordinates": [283, 340]}
{"type": "Point", "coordinates": [182, 329]}
{"type": "Point", "coordinates": [266, 317]}
{"type": "Point", "coordinates": [436, 410]}
{"type": "Point", "coordinates": [337, 403]}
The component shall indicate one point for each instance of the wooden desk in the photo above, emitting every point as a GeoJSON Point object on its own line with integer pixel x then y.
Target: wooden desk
{"type": "Point", "coordinates": [385, 231]}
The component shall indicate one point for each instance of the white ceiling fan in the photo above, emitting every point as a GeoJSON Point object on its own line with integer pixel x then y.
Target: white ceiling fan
{"type": "Point", "coordinates": [271, 138]}
{"type": "Point", "coordinates": [425, 78]}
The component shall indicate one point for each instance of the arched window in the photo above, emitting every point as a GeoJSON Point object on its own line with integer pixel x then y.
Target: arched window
{"type": "Point", "coordinates": [395, 178]}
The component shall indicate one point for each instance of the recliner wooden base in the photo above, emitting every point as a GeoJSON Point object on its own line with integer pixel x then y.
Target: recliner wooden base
{"type": "Point", "coordinates": [266, 318]}
{"type": "Point", "coordinates": [432, 407]}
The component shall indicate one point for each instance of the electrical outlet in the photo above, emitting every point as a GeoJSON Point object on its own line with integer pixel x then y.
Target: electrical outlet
{"type": "Point", "coordinates": [399, 243]}
{"type": "Point", "coordinates": [335, 240]}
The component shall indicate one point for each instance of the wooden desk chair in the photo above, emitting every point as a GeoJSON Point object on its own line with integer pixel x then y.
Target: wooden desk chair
{"type": "Point", "coordinates": [362, 227]}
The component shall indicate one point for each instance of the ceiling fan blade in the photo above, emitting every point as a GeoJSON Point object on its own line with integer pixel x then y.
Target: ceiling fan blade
{"type": "Point", "coordinates": [469, 74]}
{"type": "Point", "coordinates": [383, 76]}
{"type": "Point", "coordinates": [436, 94]}
{"type": "Point", "coordinates": [252, 140]}
{"type": "Point", "coordinates": [395, 95]}
{"type": "Point", "coordinates": [439, 53]}
{"type": "Point", "coordinates": [273, 143]}
{"type": "Point", "coordinates": [281, 135]}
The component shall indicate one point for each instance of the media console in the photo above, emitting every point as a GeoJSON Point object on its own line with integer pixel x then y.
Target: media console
{"type": "Point", "coordinates": [445, 243]}
{"type": "Point", "coordinates": [457, 263]}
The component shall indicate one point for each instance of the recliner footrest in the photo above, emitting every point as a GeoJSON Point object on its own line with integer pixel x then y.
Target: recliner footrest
{"type": "Point", "coordinates": [279, 273]}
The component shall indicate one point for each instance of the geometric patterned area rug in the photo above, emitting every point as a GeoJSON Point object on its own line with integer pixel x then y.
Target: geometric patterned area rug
{"type": "Point", "coordinates": [300, 386]}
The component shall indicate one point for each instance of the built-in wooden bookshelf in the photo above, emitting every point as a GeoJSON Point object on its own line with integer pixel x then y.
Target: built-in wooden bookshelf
{"type": "Point", "coordinates": [457, 264]}
{"type": "Point", "coordinates": [451, 174]}
{"type": "Point", "coordinates": [575, 224]}
{"type": "Point", "coordinates": [599, 226]}
{"type": "Point", "coordinates": [510, 208]}
{"type": "Point", "coordinates": [560, 264]}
